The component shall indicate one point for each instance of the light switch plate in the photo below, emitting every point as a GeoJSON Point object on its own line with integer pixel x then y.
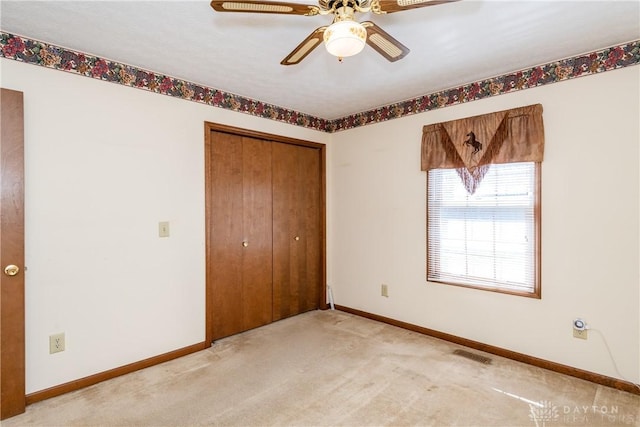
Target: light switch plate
{"type": "Point", "coordinates": [384, 290]}
{"type": "Point", "coordinates": [163, 229]}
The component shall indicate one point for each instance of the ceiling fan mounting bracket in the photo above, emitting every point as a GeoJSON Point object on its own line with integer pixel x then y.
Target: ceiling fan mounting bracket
{"type": "Point", "coordinates": [336, 4]}
{"type": "Point", "coordinates": [331, 6]}
{"type": "Point", "coordinates": [344, 13]}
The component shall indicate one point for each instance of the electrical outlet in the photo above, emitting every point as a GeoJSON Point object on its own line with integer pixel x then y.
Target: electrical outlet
{"type": "Point", "coordinates": [580, 329]}
{"type": "Point", "coordinates": [582, 334]}
{"type": "Point", "coordinates": [56, 343]}
{"type": "Point", "coordinates": [384, 290]}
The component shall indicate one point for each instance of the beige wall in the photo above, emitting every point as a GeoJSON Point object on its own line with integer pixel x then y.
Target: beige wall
{"type": "Point", "coordinates": [105, 163]}
{"type": "Point", "coordinates": [590, 228]}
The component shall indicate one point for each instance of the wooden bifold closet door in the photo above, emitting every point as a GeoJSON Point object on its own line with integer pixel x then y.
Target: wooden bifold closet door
{"type": "Point", "coordinates": [264, 230]}
{"type": "Point", "coordinates": [241, 250]}
{"type": "Point", "coordinates": [296, 230]}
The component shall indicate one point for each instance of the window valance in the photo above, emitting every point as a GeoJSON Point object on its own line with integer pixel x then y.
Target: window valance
{"type": "Point", "coordinates": [470, 145]}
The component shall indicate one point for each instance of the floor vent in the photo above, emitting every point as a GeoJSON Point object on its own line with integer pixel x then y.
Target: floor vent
{"type": "Point", "coordinates": [473, 356]}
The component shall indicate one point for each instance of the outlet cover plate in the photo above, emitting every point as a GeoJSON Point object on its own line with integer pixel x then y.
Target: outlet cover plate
{"type": "Point", "coordinates": [56, 343]}
{"type": "Point", "coordinates": [582, 334]}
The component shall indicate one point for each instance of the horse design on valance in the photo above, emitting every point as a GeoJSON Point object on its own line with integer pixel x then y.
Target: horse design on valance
{"type": "Point", "coordinates": [472, 141]}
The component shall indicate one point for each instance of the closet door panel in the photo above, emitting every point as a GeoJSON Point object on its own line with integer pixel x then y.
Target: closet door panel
{"type": "Point", "coordinates": [296, 195]}
{"type": "Point", "coordinates": [257, 225]}
{"type": "Point", "coordinates": [285, 229]}
{"type": "Point", "coordinates": [309, 199]}
{"type": "Point", "coordinates": [226, 235]}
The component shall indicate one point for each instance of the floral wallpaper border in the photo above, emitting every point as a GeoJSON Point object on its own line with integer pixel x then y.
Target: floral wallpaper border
{"type": "Point", "coordinates": [39, 53]}
{"type": "Point", "coordinates": [591, 63]}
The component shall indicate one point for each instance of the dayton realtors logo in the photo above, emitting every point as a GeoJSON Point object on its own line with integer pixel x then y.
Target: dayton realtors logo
{"type": "Point", "coordinates": [543, 413]}
{"type": "Point", "coordinates": [546, 413]}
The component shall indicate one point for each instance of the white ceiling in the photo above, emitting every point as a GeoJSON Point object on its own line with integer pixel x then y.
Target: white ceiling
{"type": "Point", "coordinates": [451, 44]}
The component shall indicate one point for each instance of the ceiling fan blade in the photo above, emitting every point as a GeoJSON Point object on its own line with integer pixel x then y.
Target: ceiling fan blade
{"type": "Point", "coordinates": [305, 48]}
{"type": "Point", "coordinates": [390, 6]}
{"type": "Point", "coordinates": [258, 6]}
{"type": "Point", "coordinates": [383, 43]}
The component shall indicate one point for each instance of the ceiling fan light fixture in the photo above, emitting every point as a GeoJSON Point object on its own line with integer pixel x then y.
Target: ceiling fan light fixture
{"type": "Point", "coordinates": [345, 38]}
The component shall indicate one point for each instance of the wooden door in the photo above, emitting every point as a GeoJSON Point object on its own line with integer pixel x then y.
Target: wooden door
{"type": "Point", "coordinates": [296, 229]}
{"type": "Point", "coordinates": [12, 312]}
{"type": "Point", "coordinates": [240, 246]}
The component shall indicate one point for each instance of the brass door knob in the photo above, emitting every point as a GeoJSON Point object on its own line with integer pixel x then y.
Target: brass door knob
{"type": "Point", "coordinates": [296, 238]}
{"type": "Point", "coordinates": [11, 270]}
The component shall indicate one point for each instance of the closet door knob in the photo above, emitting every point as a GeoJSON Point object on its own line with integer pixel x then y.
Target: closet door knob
{"type": "Point", "coordinates": [296, 238]}
{"type": "Point", "coordinates": [245, 244]}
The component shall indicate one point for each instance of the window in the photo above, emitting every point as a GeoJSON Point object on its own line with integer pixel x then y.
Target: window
{"type": "Point", "coordinates": [491, 239]}
{"type": "Point", "coordinates": [483, 200]}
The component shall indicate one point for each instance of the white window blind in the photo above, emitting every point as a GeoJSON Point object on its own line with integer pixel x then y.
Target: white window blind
{"type": "Point", "coordinates": [488, 239]}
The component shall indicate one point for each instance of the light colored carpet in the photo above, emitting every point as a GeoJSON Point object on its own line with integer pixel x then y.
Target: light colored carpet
{"type": "Point", "coordinates": [328, 368]}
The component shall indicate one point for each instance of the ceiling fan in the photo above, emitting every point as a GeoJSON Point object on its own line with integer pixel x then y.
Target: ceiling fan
{"type": "Point", "coordinates": [345, 36]}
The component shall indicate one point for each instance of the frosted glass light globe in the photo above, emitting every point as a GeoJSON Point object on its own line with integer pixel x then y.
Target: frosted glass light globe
{"type": "Point", "coordinates": [345, 38]}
